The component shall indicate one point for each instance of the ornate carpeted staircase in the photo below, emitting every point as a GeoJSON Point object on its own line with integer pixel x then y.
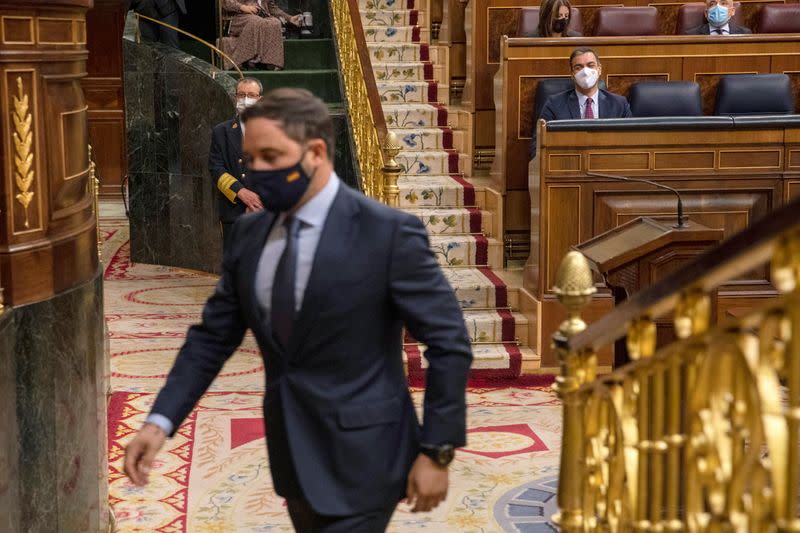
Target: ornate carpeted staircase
{"type": "Point", "coordinates": [436, 187]}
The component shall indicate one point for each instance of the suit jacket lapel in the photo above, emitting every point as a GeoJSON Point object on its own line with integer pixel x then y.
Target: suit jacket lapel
{"type": "Point", "coordinates": [574, 106]}
{"type": "Point", "coordinates": [602, 105]}
{"type": "Point", "coordinates": [338, 237]}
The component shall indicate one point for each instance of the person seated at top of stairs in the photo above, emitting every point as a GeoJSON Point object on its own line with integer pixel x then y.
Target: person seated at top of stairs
{"type": "Point", "coordinates": [255, 26]}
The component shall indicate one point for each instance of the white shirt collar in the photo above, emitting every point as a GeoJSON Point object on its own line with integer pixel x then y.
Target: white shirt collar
{"type": "Point", "coordinates": [315, 211]}
{"type": "Point", "coordinates": [582, 97]}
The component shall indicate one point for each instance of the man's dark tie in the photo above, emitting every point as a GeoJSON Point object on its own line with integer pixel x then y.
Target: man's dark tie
{"type": "Point", "coordinates": [588, 112]}
{"type": "Point", "coordinates": [283, 304]}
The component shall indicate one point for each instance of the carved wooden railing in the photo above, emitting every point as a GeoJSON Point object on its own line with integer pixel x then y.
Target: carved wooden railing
{"type": "Point", "coordinates": [703, 434]}
{"type": "Point", "coordinates": [375, 149]}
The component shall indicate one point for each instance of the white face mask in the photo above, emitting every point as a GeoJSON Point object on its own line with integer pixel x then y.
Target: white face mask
{"type": "Point", "coordinates": [587, 77]}
{"type": "Point", "coordinates": [244, 103]}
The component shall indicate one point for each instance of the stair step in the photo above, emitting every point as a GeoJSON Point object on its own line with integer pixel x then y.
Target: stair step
{"type": "Point", "coordinates": [394, 52]}
{"type": "Point", "coordinates": [401, 72]}
{"type": "Point", "coordinates": [467, 251]}
{"type": "Point", "coordinates": [415, 115]}
{"type": "Point", "coordinates": [490, 326]}
{"type": "Point", "coordinates": [387, 5]}
{"type": "Point", "coordinates": [429, 162]}
{"type": "Point", "coordinates": [393, 34]}
{"type": "Point", "coordinates": [477, 287]}
{"type": "Point", "coordinates": [435, 191]}
{"type": "Point", "coordinates": [499, 360]}
{"type": "Point", "coordinates": [309, 54]}
{"type": "Point", "coordinates": [397, 17]}
{"type": "Point", "coordinates": [453, 220]}
{"type": "Point", "coordinates": [393, 92]}
{"type": "Point", "coordinates": [421, 139]}
{"type": "Point", "coordinates": [323, 83]}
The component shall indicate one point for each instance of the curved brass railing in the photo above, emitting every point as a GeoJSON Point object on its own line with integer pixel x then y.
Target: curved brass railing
{"type": "Point", "coordinates": [378, 170]}
{"type": "Point", "coordinates": [190, 35]}
{"type": "Point", "coordinates": [703, 434]}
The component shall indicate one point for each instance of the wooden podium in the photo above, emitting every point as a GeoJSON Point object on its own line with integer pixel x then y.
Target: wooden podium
{"type": "Point", "coordinates": [642, 252]}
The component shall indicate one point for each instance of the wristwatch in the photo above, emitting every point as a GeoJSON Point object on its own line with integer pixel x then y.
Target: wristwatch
{"type": "Point", "coordinates": [441, 454]}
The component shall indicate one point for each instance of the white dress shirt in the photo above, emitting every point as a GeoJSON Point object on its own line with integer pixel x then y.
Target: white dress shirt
{"type": "Point", "coordinates": [582, 99]}
{"type": "Point", "coordinates": [312, 216]}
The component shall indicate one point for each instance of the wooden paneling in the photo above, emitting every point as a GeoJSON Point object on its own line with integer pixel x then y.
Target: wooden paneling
{"type": "Point", "coordinates": [48, 239]}
{"type": "Point", "coordinates": [569, 207]}
{"type": "Point", "coordinates": [625, 60]}
{"type": "Point", "coordinates": [104, 93]}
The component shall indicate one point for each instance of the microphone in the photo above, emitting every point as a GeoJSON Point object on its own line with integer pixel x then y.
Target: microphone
{"type": "Point", "coordinates": [681, 223]}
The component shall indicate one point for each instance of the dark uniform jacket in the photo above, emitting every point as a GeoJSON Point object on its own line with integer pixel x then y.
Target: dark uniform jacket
{"type": "Point", "coordinates": [227, 167]}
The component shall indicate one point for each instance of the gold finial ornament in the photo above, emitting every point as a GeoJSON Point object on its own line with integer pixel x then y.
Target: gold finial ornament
{"type": "Point", "coordinates": [391, 170]}
{"type": "Point", "coordinates": [574, 288]}
{"type": "Point", "coordinates": [23, 148]}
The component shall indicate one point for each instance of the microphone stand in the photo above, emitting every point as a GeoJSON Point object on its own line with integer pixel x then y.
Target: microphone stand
{"type": "Point", "coordinates": [680, 224]}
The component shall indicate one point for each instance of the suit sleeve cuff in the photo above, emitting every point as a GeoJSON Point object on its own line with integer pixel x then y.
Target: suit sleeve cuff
{"type": "Point", "coordinates": [229, 186]}
{"type": "Point", "coordinates": [161, 421]}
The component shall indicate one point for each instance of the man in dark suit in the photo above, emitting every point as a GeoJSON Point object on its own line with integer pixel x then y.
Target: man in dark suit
{"type": "Point", "coordinates": [226, 162]}
{"type": "Point", "coordinates": [326, 279]}
{"type": "Point", "coordinates": [719, 14]}
{"type": "Point", "coordinates": [586, 100]}
{"type": "Point", "coordinates": [167, 11]}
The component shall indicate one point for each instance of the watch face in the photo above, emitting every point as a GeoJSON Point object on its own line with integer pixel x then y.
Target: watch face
{"type": "Point", "coordinates": [446, 454]}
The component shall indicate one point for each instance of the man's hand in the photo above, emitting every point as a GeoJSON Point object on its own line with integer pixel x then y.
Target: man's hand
{"type": "Point", "coordinates": [141, 451]}
{"type": "Point", "coordinates": [252, 10]}
{"type": "Point", "coordinates": [250, 199]}
{"type": "Point", "coordinates": [427, 484]}
{"type": "Point", "coordinates": [297, 20]}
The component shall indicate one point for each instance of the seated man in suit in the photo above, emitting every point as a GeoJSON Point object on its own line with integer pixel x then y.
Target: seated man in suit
{"type": "Point", "coordinates": [718, 15]}
{"type": "Point", "coordinates": [586, 100]}
{"type": "Point", "coordinates": [326, 279]}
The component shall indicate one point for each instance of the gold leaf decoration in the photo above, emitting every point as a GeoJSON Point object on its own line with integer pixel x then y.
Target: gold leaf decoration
{"type": "Point", "coordinates": [23, 153]}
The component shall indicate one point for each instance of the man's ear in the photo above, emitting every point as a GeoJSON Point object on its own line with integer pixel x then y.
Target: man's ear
{"type": "Point", "coordinates": [319, 150]}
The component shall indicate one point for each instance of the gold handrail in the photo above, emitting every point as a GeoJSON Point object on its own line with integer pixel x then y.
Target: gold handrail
{"type": "Point", "coordinates": [195, 37]}
{"type": "Point", "coordinates": [362, 113]}
{"type": "Point", "coordinates": [701, 435]}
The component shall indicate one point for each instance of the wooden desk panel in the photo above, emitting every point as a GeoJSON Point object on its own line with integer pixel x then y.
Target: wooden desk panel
{"type": "Point", "coordinates": [727, 179]}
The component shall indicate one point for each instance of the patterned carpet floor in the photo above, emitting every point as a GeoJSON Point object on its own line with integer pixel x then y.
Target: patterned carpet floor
{"type": "Point", "coordinates": [214, 475]}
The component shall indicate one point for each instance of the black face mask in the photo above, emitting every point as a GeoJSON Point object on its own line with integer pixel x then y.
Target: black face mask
{"type": "Point", "coordinates": [559, 25]}
{"type": "Point", "coordinates": [281, 189]}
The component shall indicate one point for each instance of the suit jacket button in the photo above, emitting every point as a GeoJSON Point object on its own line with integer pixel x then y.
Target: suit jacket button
{"type": "Point", "coordinates": [243, 175]}
{"type": "Point", "coordinates": [240, 161]}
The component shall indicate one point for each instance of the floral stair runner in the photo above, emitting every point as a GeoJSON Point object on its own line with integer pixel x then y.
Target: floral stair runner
{"type": "Point", "coordinates": [433, 185]}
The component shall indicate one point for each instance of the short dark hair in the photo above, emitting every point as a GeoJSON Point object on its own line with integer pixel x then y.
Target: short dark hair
{"type": "Point", "coordinates": [580, 51]}
{"type": "Point", "coordinates": [302, 115]}
{"type": "Point", "coordinates": [250, 80]}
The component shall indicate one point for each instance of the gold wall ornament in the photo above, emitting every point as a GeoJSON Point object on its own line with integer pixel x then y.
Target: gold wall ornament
{"type": "Point", "coordinates": [391, 170]}
{"type": "Point", "coordinates": [23, 148]}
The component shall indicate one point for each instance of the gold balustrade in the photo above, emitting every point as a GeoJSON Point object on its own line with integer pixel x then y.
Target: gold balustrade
{"type": "Point", "coordinates": [375, 148]}
{"type": "Point", "coordinates": [701, 435]}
